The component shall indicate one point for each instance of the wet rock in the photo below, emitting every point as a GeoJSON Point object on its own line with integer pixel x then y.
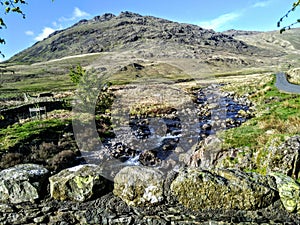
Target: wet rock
{"type": "Point", "coordinates": [223, 189]}
{"type": "Point", "coordinates": [22, 183]}
{"type": "Point", "coordinates": [122, 152]}
{"type": "Point", "coordinates": [79, 183]}
{"type": "Point", "coordinates": [289, 192]}
{"type": "Point", "coordinates": [139, 186]}
{"type": "Point", "coordinates": [149, 158]}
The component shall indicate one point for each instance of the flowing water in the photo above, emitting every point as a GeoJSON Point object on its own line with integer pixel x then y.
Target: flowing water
{"type": "Point", "coordinates": [150, 140]}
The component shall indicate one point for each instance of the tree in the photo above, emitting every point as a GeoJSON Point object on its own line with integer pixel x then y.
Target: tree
{"type": "Point", "coordinates": [11, 6]}
{"type": "Point", "coordinates": [295, 5]}
{"type": "Point", "coordinates": [76, 74]}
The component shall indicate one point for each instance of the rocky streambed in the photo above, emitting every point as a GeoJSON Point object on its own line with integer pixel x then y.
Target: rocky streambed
{"type": "Point", "coordinates": [159, 140]}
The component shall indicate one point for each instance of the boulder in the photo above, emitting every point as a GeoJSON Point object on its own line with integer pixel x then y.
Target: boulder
{"type": "Point", "coordinates": [294, 75]}
{"type": "Point", "coordinates": [79, 183]}
{"type": "Point", "coordinates": [22, 183]}
{"type": "Point", "coordinates": [139, 186]}
{"type": "Point", "coordinates": [289, 192]}
{"type": "Point", "coordinates": [223, 189]}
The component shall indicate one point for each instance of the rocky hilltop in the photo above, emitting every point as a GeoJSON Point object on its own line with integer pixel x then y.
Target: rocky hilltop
{"type": "Point", "coordinates": [128, 30]}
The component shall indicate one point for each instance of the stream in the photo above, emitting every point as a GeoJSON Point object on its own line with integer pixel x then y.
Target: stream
{"type": "Point", "coordinates": [149, 140]}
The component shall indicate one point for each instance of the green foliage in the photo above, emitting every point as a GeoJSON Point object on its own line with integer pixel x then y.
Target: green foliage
{"type": "Point", "coordinates": [279, 114]}
{"type": "Point", "coordinates": [10, 6]}
{"type": "Point", "coordinates": [288, 27]}
{"type": "Point", "coordinates": [76, 74]}
{"type": "Point", "coordinates": [18, 134]}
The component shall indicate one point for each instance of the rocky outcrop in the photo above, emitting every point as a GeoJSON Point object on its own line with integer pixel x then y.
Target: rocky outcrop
{"type": "Point", "coordinates": [286, 158]}
{"type": "Point", "coordinates": [132, 31]}
{"type": "Point", "coordinates": [139, 186]}
{"type": "Point", "coordinates": [23, 183]}
{"type": "Point", "coordinates": [294, 75]}
{"type": "Point", "coordinates": [223, 189]}
{"type": "Point", "coordinates": [289, 192]}
{"type": "Point", "coordinates": [233, 32]}
{"type": "Point", "coordinates": [79, 183]}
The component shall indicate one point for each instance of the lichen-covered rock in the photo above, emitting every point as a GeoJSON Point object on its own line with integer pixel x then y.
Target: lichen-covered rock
{"type": "Point", "coordinates": [289, 192]}
{"type": "Point", "coordinates": [294, 75]}
{"type": "Point", "coordinates": [79, 183]}
{"type": "Point", "coordinates": [139, 186]}
{"type": "Point", "coordinates": [22, 183]}
{"type": "Point", "coordinates": [286, 158]}
{"type": "Point", "coordinates": [223, 189]}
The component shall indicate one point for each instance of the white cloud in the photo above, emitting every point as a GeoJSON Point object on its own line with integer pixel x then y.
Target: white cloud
{"type": "Point", "coordinates": [29, 33]}
{"type": "Point", "coordinates": [220, 21]}
{"type": "Point", "coordinates": [77, 13]}
{"type": "Point", "coordinates": [46, 32]}
{"type": "Point", "coordinates": [261, 4]}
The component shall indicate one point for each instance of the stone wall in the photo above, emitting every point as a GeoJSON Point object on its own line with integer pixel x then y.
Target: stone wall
{"type": "Point", "coordinates": [13, 115]}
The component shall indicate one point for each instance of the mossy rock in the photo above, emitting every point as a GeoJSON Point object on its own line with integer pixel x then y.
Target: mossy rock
{"type": "Point", "coordinates": [79, 183]}
{"type": "Point", "coordinates": [289, 192]}
{"type": "Point", "coordinates": [223, 189]}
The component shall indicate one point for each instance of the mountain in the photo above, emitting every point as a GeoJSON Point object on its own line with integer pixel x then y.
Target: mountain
{"type": "Point", "coordinates": [233, 32]}
{"type": "Point", "coordinates": [153, 36]}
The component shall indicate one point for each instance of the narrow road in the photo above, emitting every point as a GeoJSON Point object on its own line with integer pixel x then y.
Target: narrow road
{"type": "Point", "coordinates": [283, 85]}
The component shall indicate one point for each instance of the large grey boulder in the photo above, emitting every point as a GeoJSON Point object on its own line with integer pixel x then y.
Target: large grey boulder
{"type": "Point", "coordinates": [223, 189]}
{"type": "Point", "coordinates": [79, 183]}
{"type": "Point", "coordinates": [139, 186]}
{"type": "Point", "coordinates": [289, 192]}
{"type": "Point", "coordinates": [22, 183]}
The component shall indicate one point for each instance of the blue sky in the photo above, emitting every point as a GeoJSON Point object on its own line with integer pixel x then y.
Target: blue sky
{"type": "Point", "coordinates": [44, 16]}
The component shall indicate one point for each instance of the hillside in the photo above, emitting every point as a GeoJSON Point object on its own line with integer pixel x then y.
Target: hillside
{"type": "Point", "coordinates": [150, 35]}
{"type": "Point", "coordinates": [164, 48]}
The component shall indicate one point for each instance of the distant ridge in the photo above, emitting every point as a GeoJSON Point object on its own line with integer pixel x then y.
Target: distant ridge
{"type": "Point", "coordinates": [109, 33]}
{"type": "Point", "coordinates": [234, 33]}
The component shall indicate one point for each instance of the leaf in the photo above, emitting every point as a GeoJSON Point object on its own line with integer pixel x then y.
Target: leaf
{"type": "Point", "coordinates": [17, 10]}
{"type": "Point", "coordinates": [2, 41]}
{"type": "Point", "coordinates": [2, 23]}
{"type": "Point", "coordinates": [7, 9]}
{"type": "Point", "coordinates": [282, 30]}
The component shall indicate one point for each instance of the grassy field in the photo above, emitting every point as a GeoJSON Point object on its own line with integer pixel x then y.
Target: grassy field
{"type": "Point", "coordinates": [18, 135]}
{"type": "Point", "coordinates": [277, 117]}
